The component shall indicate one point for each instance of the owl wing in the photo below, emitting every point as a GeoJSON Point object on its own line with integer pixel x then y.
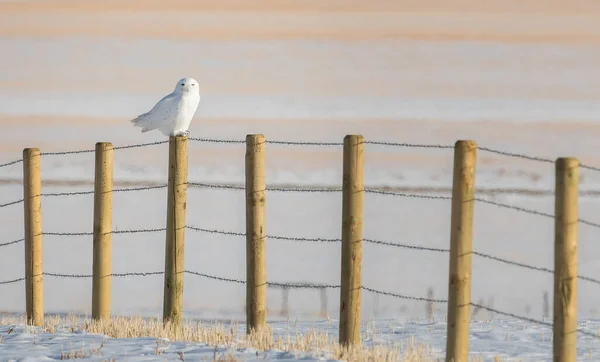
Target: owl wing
{"type": "Point", "coordinates": [162, 114]}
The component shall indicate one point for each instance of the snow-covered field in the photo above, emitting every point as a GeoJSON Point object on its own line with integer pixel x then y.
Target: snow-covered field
{"type": "Point", "coordinates": [73, 76]}
{"type": "Point", "coordinates": [410, 340]}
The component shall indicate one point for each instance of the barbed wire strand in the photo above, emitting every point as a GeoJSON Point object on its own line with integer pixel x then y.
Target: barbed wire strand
{"type": "Point", "coordinates": [12, 281]}
{"type": "Point", "coordinates": [275, 237]}
{"type": "Point", "coordinates": [408, 145]}
{"type": "Point", "coordinates": [89, 192]}
{"type": "Point", "coordinates": [527, 319]}
{"type": "Point", "coordinates": [12, 242]}
{"type": "Point", "coordinates": [11, 163]}
{"type": "Point", "coordinates": [57, 153]}
{"type": "Point", "coordinates": [11, 203]}
{"type": "Point", "coordinates": [303, 143]}
{"type": "Point", "coordinates": [140, 145]}
{"type": "Point", "coordinates": [408, 195]}
{"type": "Point", "coordinates": [88, 233]}
{"type": "Point", "coordinates": [515, 155]}
{"type": "Point", "coordinates": [405, 246]}
{"type": "Point", "coordinates": [313, 143]}
{"type": "Point", "coordinates": [117, 275]}
{"type": "Point", "coordinates": [386, 243]}
{"type": "Point", "coordinates": [400, 296]}
{"type": "Point", "coordinates": [293, 285]}
{"type": "Point", "coordinates": [211, 140]}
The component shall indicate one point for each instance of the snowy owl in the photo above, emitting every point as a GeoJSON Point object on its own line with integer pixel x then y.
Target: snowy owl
{"type": "Point", "coordinates": [173, 114]}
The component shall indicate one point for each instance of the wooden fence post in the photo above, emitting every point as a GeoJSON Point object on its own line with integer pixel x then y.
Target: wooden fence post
{"type": "Point", "coordinates": [103, 185]}
{"type": "Point", "coordinates": [32, 196]}
{"type": "Point", "coordinates": [256, 257]}
{"type": "Point", "coordinates": [461, 248]}
{"type": "Point", "coordinates": [352, 227]}
{"type": "Point", "coordinates": [175, 240]}
{"type": "Point", "coordinates": [565, 260]}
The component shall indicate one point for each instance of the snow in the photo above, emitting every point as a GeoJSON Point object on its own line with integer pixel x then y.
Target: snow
{"type": "Point", "coordinates": [511, 340]}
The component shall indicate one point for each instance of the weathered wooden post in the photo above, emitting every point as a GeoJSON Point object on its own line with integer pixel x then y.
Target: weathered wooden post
{"type": "Point", "coordinates": [352, 228]}
{"type": "Point", "coordinates": [256, 257]}
{"type": "Point", "coordinates": [461, 249]}
{"type": "Point", "coordinates": [103, 185]}
{"type": "Point", "coordinates": [175, 240]}
{"type": "Point", "coordinates": [565, 260]}
{"type": "Point", "coordinates": [32, 196]}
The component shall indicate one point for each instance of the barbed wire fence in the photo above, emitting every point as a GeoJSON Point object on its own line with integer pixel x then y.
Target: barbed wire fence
{"type": "Point", "coordinates": [286, 286]}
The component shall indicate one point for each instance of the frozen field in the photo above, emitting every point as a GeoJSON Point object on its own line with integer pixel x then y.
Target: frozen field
{"type": "Point", "coordinates": [504, 339]}
{"type": "Point", "coordinates": [509, 76]}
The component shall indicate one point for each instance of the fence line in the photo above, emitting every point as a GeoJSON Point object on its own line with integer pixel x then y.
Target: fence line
{"type": "Point", "coordinates": [315, 190]}
{"type": "Point", "coordinates": [314, 240]}
{"type": "Point", "coordinates": [311, 143]}
{"type": "Point", "coordinates": [294, 285]}
{"type": "Point", "coordinates": [459, 298]}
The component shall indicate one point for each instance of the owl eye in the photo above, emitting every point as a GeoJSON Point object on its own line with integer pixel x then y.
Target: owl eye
{"type": "Point", "coordinates": [182, 83]}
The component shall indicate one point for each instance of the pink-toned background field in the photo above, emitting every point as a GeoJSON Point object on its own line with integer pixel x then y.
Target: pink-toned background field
{"type": "Point", "coordinates": [517, 76]}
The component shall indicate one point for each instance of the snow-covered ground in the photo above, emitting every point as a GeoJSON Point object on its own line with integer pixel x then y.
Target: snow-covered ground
{"type": "Point", "coordinates": [510, 340]}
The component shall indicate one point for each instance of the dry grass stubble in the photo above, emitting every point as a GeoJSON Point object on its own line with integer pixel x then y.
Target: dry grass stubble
{"type": "Point", "coordinates": [231, 337]}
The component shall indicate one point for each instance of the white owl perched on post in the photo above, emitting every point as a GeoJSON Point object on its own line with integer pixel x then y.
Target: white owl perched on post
{"type": "Point", "coordinates": [173, 114]}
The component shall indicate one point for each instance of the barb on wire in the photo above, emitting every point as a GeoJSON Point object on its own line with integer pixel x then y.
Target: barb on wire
{"type": "Point", "coordinates": [11, 163]}
{"type": "Point", "coordinates": [138, 231]}
{"type": "Point", "coordinates": [216, 186]}
{"type": "Point", "coordinates": [532, 212]}
{"type": "Point", "coordinates": [405, 246]}
{"type": "Point", "coordinates": [404, 296]}
{"type": "Point", "coordinates": [290, 285]}
{"type": "Point", "coordinates": [301, 143]}
{"type": "Point", "coordinates": [65, 152]}
{"type": "Point", "coordinates": [67, 193]}
{"type": "Point", "coordinates": [88, 233]}
{"type": "Point", "coordinates": [116, 275]}
{"type": "Point", "coordinates": [210, 140]}
{"type": "Point", "coordinates": [140, 145]}
{"type": "Point", "coordinates": [302, 285]}
{"type": "Point", "coordinates": [402, 194]}
{"type": "Point", "coordinates": [12, 242]}
{"type": "Point", "coordinates": [114, 148]}
{"type": "Point", "coordinates": [127, 189]}
{"type": "Point", "coordinates": [12, 281]}
{"type": "Point", "coordinates": [68, 233]}
{"type": "Point", "coordinates": [591, 168]}
{"type": "Point", "coordinates": [512, 207]}
{"type": "Point", "coordinates": [517, 155]}
{"type": "Point", "coordinates": [141, 188]}
{"type": "Point", "coordinates": [589, 223]}
{"type": "Point", "coordinates": [214, 277]}
{"type": "Point", "coordinates": [506, 261]}
{"type": "Point", "coordinates": [302, 189]}
{"type": "Point", "coordinates": [214, 231]}
{"type": "Point", "coordinates": [12, 203]}
{"type": "Point", "coordinates": [275, 237]}
{"type": "Point", "coordinates": [409, 145]}
{"type": "Point", "coordinates": [277, 189]}
{"type": "Point", "coordinates": [527, 319]}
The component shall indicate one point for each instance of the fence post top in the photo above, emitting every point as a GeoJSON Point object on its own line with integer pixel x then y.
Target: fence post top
{"type": "Point", "coordinates": [255, 136]}
{"type": "Point", "coordinates": [31, 152]}
{"type": "Point", "coordinates": [465, 144]}
{"type": "Point", "coordinates": [357, 137]}
{"type": "Point", "coordinates": [104, 144]}
{"type": "Point", "coordinates": [573, 161]}
{"type": "Point", "coordinates": [179, 138]}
